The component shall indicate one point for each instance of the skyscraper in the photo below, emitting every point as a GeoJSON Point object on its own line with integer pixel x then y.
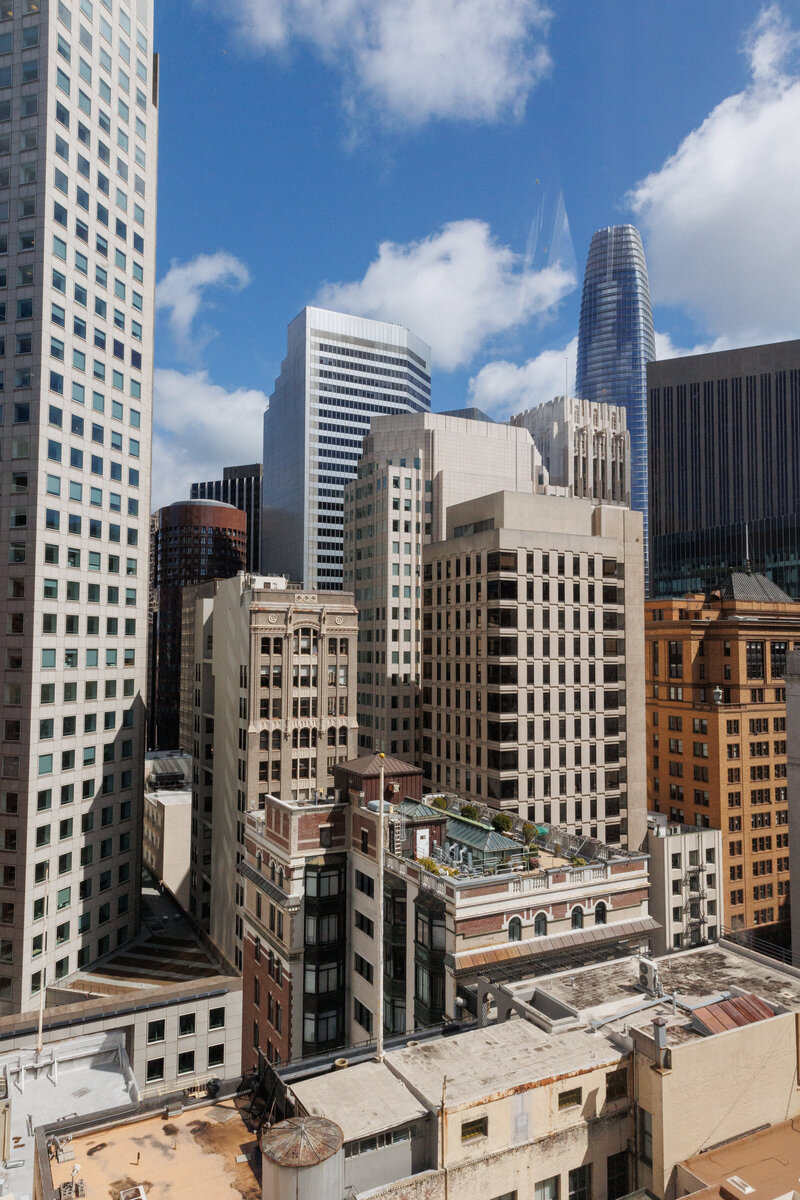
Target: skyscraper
{"type": "Point", "coordinates": [339, 372]}
{"type": "Point", "coordinates": [78, 152]}
{"type": "Point", "coordinates": [725, 467]}
{"type": "Point", "coordinates": [240, 486]}
{"type": "Point", "coordinates": [191, 541]}
{"type": "Point", "coordinates": [616, 341]}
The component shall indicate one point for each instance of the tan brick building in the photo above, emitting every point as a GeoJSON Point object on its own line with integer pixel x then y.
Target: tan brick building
{"type": "Point", "coordinates": [716, 732]}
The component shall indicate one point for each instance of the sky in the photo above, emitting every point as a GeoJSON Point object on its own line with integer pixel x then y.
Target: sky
{"type": "Point", "coordinates": [444, 163]}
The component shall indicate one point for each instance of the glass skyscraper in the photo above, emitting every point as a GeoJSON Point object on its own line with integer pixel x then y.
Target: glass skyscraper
{"type": "Point", "coordinates": [616, 341]}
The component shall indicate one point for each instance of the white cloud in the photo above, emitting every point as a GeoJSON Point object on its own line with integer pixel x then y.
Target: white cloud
{"type": "Point", "coordinates": [502, 388]}
{"type": "Point", "coordinates": [199, 429]}
{"type": "Point", "coordinates": [454, 289]}
{"type": "Point", "coordinates": [182, 293]}
{"type": "Point", "coordinates": [666, 348]}
{"type": "Point", "coordinates": [413, 60]}
{"type": "Point", "coordinates": [720, 216]}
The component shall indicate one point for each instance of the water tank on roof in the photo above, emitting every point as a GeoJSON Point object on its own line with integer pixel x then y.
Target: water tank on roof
{"type": "Point", "coordinates": [303, 1159]}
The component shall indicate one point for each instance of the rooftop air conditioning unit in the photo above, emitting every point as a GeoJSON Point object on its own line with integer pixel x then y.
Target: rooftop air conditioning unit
{"type": "Point", "coordinates": [648, 976]}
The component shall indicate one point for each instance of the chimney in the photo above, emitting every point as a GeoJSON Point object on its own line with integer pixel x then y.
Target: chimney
{"type": "Point", "coordinates": [660, 1039]}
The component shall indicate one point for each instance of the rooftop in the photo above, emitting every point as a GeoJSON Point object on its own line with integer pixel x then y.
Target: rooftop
{"type": "Point", "coordinates": [71, 1078]}
{"type": "Point", "coordinates": [750, 587]}
{"type": "Point", "coordinates": [363, 1099]}
{"type": "Point", "coordinates": [369, 766]}
{"type": "Point", "coordinates": [766, 1162]}
{"type": "Point", "coordinates": [206, 1153]}
{"type": "Point", "coordinates": [169, 796]}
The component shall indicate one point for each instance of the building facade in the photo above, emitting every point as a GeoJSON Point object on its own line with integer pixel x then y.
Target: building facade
{"type": "Point", "coordinates": [616, 341]}
{"type": "Point", "coordinates": [532, 662]}
{"type": "Point", "coordinates": [339, 372]}
{"type": "Point", "coordinates": [82, 91]}
{"type": "Point", "coordinates": [412, 467]}
{"type": "Point", "coordinates": [192, 541]}
{"type": "Point", "coordinates": [281, 692]}
{"type": "Point", "coordinates": [687, 891]}
{"type": "Point", "coordinates": [585, 447]}
{"type": "Point", "coordinates": [725, 480]}
{"type": "Point", "coordinates": [241, 487]}
{"type": "Point", "coordinates": [716, 733]}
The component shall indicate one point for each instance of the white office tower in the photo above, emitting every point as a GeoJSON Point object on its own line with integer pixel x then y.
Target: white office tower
{"type": "Point", "coordinates": [339, 372]}
{"type": "Point", "coordinates": [412, 469]}
{"type": "Point", "coordinates": [78, 153]}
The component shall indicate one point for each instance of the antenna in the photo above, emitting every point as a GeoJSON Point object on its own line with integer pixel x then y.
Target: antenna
{"type": "Point", "coordinates": [747, 564]}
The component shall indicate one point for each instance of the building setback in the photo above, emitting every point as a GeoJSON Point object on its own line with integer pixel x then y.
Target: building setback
{"type": "Point", "coordinates": [533, 672]}
{"type": "Point", "coordinates": [191, 541]}
{"type": "Point", "coordinates": [241, 487]}
{"type": "Point", "coordinates": [339, 372]}
{"type": "Point", "coordinates": [716, 732]}
{"type": "Point", "coordinates": [75, 492]}
{"type": "Point", "coordinates": [687, 890]}
{"type": "Point", "coordinates": [725, 467]}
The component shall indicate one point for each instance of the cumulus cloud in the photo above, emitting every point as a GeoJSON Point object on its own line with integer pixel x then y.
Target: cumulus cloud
{"type": "Point", "coordinates": [503, 388]}
{"type": "Point", "coordinates": [412, 60]}
{"type": "Point", "coordinates": [454, 289]}
{"type": "Point", "coordinates": [182, 293]}
{"type": "Point", "coordinates": [720, 215]}
{"type": "Point", "coordinates": [199, 429]}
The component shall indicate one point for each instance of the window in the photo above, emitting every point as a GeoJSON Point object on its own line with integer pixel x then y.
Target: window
{"type": "Point", "coordinates": [617, 1175]}
{"type": "Point", "coordinates": [548, 1189]}
{"type": "Point", "coordinates": [474, 1129]}
{"type": "Point", "coordinates": [515, 930]}
{"type": "Point", "coordinates": [155, 1033]}
{"type": "Point", "coordinates": [645, 1136]}
{"type": "Point", "coordinates": [577, 918]}
{"type": "Point", "coordinates": [155, 1070]}
{"type": "Point", "coordinates": [216, 1018]}
{"type": "Point", "coordinates": [570, 1098]}
{"type": "Point", "coordinates": [186, 1024]}
{"type": "Point", "coordinates": [540, 925]}
{"type": "Point", "coordinates": [362, 1015]}
{"type": "Point", "coordinates": [617, 1084]}
{"type": "Point", "coordinates": [186, 1062]}
{"type": "Point", "coordinates": [580, 1183]}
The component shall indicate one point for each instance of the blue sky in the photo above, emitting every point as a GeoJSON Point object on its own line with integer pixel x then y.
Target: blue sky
{"type": "Point", "coordinates": [415, 160]}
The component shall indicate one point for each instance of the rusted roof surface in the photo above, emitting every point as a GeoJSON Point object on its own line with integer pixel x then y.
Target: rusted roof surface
{"type": "Point", "coordinates": [733, 1013]}
{"type": "Point", "coordinates": [301, 1141]}
{"type": "Point", "coordinates": [473, 960]}
{"type": "Point", "coordinates": [369, 765]}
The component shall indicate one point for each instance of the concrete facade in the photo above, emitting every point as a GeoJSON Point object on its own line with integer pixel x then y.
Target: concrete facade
{"type": "Point", "coordinates": [584, 445]}
{"type": "Point", "coordinates": [167, 839]}
{"type": "Point", "coordinates": [241, 487]}
{"type": "Point", "coordinates": [687, 888]}
{"type": "Point", "coordinates": [75, 495]}
{"type": "Point", "coordinates": [533, 653]}
{"type": "Point", "coordinates": [412, 468]}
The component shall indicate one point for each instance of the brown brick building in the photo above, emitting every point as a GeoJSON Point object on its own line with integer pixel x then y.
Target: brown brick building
{"type": "Point", "coordinates": [716, 732]}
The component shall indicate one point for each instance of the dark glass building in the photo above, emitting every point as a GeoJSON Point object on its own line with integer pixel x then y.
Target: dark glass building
{"type": "Point", "coordinates": [192, 541]}
{"type": "Point", "coordinates": [241, 487]}
{"type": "Point", "coordinates": [616, 341]}
{"type": "Point", "coordinates": [725, 467]}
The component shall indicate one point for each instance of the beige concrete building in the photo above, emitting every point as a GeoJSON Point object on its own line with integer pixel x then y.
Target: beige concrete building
{"type": "Point", "coordinates": [793, 788]}
{"type": "Point", "coordinates": [584, 446]}
{"type": "Point", "coordinates": [604, 1080]}
{"type": "Point", "coordinates": [687, 883]}
{"type": "Point", "coordinates": [533, 662]}
{"type": "Point", "coordinates": [281, 691]}
{"type": "Point", "coordinates": [166, 838]}
{"type": "Point", "coordinates": [412, 468]}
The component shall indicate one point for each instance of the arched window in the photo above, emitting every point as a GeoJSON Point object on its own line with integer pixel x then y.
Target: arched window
{"type": "Point", "coordinates": [577, 918]}
{"type": "Point", "coordinates": [331, 736]}
{"type": "Point", "coordinates": [280, 877]}
{"type": "Point", "coordinates": [540, 925]}
{"type": "Point", "coordinates": [343, 736]}
{"type": "Point", "coordinates": [295, 738]}
{"type": "Point", "coordinates": [263, 740]}
{"type": "Point", "coordinates": [313, 737]}
{"type": "Point", "coordinates": [600, 913]}
{"type": "Point", "coordinates": [272, 870]}
{"type": "Point", "coordinates": [276, 739]}
{"type": "Point", "coordinates": [305, 738]}
{"type": "Point", "coordinates": [515, 930]}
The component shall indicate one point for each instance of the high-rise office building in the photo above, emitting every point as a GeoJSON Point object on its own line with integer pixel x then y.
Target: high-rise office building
{"type": "Point", "coordinates": [533, 662]}
{"type": "Point", "coordinates": [192, 541]}
{"type": "Point", "coordinates": [79, 144]}
{"type": "Point", "coordinates": [616, 341]}
{"type": "Point", "coordinates": [338, 373]}
{"type": "Point", "coordinates": [584, 445]}
{"type": "Point", "coordinates": [725, 467]}
{"type": "Point", "coordinates": [412, 468]}
{"type": "Point", "coordinates": [241, 487]}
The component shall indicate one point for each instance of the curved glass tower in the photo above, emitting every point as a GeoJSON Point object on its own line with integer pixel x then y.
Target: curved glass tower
{"type": "Point", "coordinates": [616, 340]}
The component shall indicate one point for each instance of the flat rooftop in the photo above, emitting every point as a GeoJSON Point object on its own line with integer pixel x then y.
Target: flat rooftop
{"type": "Point", "coordinates": [693, 974]}
{"type": "Point", "coordinates": [206, 1153]}
{"type": "Point", "coordinates": [70, 1079]}
{"type": "Point", "coordinates": [497, 1058]}
{"type": "Point", "coordinates": [362, 1099]}
{"type": "Point", "coordinates": [765, 1161]}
